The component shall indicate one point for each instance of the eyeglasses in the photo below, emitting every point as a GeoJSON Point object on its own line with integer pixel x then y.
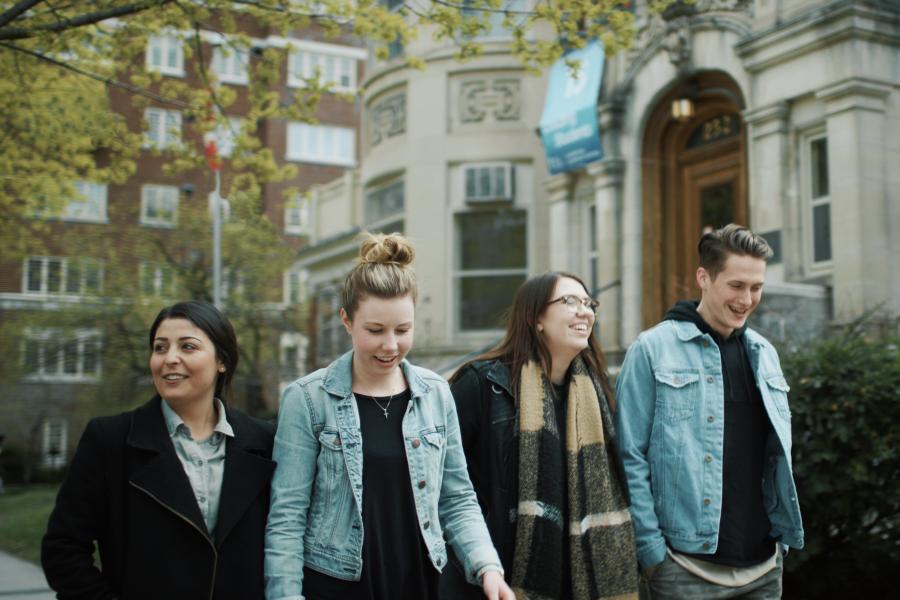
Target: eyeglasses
{"type": "Point", "coordinates": [573, 302]}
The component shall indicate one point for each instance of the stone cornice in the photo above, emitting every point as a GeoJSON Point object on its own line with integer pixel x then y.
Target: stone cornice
{"type": "Point", "coordinates": [855, 93]}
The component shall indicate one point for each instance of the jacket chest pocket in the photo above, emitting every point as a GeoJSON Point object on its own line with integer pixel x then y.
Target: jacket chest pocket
{"type": "Point", "coordinates": [778, 390]}
{"type": "Point", "coordinates": [677, 393]}
{"type": "Point", "coordinates": [429, 451]}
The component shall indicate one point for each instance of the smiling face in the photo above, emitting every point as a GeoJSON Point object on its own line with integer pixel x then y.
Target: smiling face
{"type": "Point", "coordinates": [183, 363]}
{"type": "Point", "coordinates": [382, 334]}
{"type": "Point", "coordinates": [566, 329]}
{"type": "Point", "coordinates": [729, 298]}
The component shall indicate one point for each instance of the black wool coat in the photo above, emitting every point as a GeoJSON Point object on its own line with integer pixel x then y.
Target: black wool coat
{"type": "Point", "coordinates": [127, 491]}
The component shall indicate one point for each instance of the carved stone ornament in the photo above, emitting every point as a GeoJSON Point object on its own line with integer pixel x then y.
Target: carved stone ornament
{"type": "Point", "coordinates": [489, 99]}
{"type": "Point", "coordinates": [387, 118]}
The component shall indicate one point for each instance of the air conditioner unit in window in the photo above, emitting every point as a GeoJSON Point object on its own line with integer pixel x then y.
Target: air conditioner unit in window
{"type": "Point", "coordinates": [488, 182]}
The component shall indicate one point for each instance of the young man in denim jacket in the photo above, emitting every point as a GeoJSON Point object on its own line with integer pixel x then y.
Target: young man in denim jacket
{"type": "Point", "coordinates": [705, 436]}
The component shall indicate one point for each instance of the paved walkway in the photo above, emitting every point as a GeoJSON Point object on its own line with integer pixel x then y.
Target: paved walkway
{"type": "Point", "coordinates": [22, 580]}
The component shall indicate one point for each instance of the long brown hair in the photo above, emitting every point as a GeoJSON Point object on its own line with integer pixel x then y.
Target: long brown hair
{"type": "Point", "coordinates": [522, 342]}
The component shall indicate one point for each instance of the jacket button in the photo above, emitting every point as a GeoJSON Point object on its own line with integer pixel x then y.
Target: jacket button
{"type": "Point", "coordinates": [706, 343]}
{"type": "Point", "coordinates": [708, 458]}
{"type": "Point", "coordinates": [426, 525]}
{"type": "Point", "coordinates": [337, 442]}
{"type": "Point", "coordinates": [706, 502]}
{"type": "Point", "coordinates": [710, 419]}
{"type": "Point", "coordinates": [706, 545]}
{"type": "Point", "coordinates": [421, 483]}
{"type": "Point", "coordinates": [709, 379]}
{"type": "Point", "coordinates": [416, 443]}
{"type": "Point", "coordinates": [439, 562]}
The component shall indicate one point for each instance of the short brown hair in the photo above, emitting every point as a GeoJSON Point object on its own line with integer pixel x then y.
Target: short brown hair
{"type": "Point", "coordinates": [715, 246]}
{"type": "Point", "coordinates": [383, 271]}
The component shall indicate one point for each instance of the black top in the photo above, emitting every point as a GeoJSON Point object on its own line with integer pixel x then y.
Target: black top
{"type": "Point", "coordinates": [560, 403]}
{"type": "Point", "coordinates": [395, 560]}
{"type": "Point", "coordinates": [744, 524]}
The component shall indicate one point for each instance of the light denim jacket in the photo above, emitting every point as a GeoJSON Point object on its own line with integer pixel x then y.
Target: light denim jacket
{"type": "Point", "coordinates": [316, 511]}
{"type": "Point", "coordinates": [670, 421]}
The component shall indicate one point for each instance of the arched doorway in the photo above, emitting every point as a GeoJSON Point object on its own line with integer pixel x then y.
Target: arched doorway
{"type": "Point", "coordinates": [694, 177]}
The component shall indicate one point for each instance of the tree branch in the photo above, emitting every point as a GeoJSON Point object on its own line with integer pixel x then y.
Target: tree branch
{"type": "Point", "coordinates": [19, 33]}
{"type": "Point", "coordinates": [17, 10]}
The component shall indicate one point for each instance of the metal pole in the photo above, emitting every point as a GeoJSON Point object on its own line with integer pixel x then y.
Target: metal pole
{"type": "Point", "coordinates": [217, 244]}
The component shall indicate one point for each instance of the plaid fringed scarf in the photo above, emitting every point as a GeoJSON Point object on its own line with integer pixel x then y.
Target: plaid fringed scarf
{"type": "Point", "coordinates": [601, 560]}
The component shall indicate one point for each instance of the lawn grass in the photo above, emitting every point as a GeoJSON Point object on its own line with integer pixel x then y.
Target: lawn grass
{"type": "Point", "coordinates": [23, 519]}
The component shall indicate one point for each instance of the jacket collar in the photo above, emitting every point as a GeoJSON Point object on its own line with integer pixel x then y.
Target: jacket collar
{"type": "Point", "coordinates": [339, 378]}
{"type": "Point", "coordinates": [499, 374]}
{"type": "Point", "coordinates": [686, 331]}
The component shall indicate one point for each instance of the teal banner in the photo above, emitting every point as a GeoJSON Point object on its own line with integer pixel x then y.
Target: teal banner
{"type": "Point", "coordinates": [569, 129]}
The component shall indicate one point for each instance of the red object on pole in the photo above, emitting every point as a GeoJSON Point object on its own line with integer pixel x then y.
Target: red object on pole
{"type": "Point", "coordinates": [212, 155]}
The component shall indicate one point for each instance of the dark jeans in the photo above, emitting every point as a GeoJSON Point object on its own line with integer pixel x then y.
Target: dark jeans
{"type": "Point", "coordinates": [670, 581]}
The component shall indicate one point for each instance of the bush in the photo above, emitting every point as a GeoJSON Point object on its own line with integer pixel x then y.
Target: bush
{"type": "Point", "coordinates": [845, 402]}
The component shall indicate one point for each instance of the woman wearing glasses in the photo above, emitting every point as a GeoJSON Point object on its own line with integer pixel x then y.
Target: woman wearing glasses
{"type": "Point", "coordinates": [537, 431]}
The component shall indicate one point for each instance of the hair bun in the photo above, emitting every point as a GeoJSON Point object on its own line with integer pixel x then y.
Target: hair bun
{"type": "Point", "coordinates": [382, 248]}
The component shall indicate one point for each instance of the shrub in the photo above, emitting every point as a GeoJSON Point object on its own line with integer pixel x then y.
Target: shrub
{"type": "Point", "coordinates": [845, 404]}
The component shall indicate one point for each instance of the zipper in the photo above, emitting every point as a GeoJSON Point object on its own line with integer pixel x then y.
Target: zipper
{"type": "Point", "coordinates": [212, 586]}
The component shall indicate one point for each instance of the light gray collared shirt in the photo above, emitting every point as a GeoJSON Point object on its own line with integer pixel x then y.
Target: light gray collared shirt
{"type": "Point", "coordinates": [203, 460]}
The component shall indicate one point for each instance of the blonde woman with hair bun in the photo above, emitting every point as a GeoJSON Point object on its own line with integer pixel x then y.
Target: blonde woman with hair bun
{"type": "Point", "coordinates": [371, 476]}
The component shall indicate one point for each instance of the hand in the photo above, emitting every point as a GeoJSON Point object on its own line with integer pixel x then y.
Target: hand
{"type": "Point", "coordinates": [495, 588]}
{"type": "Point", "coordinates": [649, 571]}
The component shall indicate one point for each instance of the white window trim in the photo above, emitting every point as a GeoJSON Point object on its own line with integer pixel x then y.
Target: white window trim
{"type": "Point", "coordinates": [166, 136]}
{"type": "Point", "coordinates": [58, 461]}
{"type": "Point", "coordinates": [301, 206]}
{"type": "Point", "coordinates": [291, 340]}
{"type": "Point", "coordinates": [300, 155]}
{"type": "Point", "coordinates": [102, 203]}
{"type": "Point", "coordinates": [166, 38]}
{"type": "Point", "coordinates": [235, 57]}
{"type": "Point", "coordinates": [159, 273]}
{"type": "Point", "coordinates": [65, 266]}
{"type": "Point", "coordinates": [813, 267]}
{"type": "Point", "coordinates": [158, 222]}
{"type": "Point", "coordinates": [307, 71]}
{"type": "Point", "coordinates": [390, 218]}
{"type": "Point", "coordinates": [62, 336]}
{"type": "Point", "coordinates": [509, 175]}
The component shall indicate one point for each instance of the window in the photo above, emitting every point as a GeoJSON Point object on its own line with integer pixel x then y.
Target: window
{"type": "Point", "coordinates": [62, 276]}
{"type": "Point", "coordinates": [294, 286]}
{"type": "Point", "coordinates": [163, 128]}
{"type": "Point", "coordinates": [385, 202]}
{"type": "Point", "coordinates": [89, 203]}
{"type": "Point", "coordinates": [297, 216]}
{"type": "Point", "coordinates": [56, 355]}
{"type": "Point", "coordinates": [819, 199]}
{"type": "Point", "coordinates": [332, 69]}
{"type": "Point", "coordinates": [496, 29]}
{"type": "Point", "coordinates": [165, 54]}
{"type": "Point", "coordinates": [488, 182]}
{"type": "Point", "coordinates": [232, 283]}
{"type": "Point", "coordinates": [332, 340]}
{"type": "Point", "coordinates": [159, 205]}
{"type": "Point", "coordinates": [56, 437]}
{"type": "Point", "coordinates": [491, 263]}
{"type": "Point", "coordinates": [293, 357]}
{"type": "Point", "coordinates": [321, 144]}
{"type": "Point", "coordinates": [157, 280]}
{"type": "Point", "coordinates": [229, 64]}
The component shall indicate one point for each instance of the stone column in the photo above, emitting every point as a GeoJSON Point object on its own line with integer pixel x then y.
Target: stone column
{"type": "Point", "coordinates": [608, 178]}
{"type": "Point", "coordinates": [861, 215]}
{"type": "Point", "coordinates": [773, 202]}
{"type": "Point", "coordinates": [559, 198]}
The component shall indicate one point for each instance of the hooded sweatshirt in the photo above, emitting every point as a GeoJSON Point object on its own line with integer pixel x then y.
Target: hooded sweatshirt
{"type": "Point", "coordinates": [744, 524]}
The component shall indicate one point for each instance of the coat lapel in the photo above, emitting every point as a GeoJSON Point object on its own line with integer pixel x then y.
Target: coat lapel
{"type": "Point", "coordinates": [247, 475]}
{"type": "Point", "coordinates": [156, 470]}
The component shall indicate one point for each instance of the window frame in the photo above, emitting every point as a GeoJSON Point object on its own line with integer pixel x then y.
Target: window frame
{"type": "Point", "coordinates": [146, 221]}
{"type": "Point", "coordinates": [48, 460]}
{"type": "Point", "coordinates": [67, 266]}
{"type": "Point", "coordinates": [60, 341]}
{"type": "Point", "coordinates": [162, 136]}
{"type": "Point", "coordinates": [165, 40]}
{"type": "Point", "coordinates": [312, 54]}
{"type": "Point", "coordinates": [301, 206]}
{"type": "Point", "coordinates": [100, 202]}
{"type": "Point", "coordinates": [509, 177]}
{"type": "Point", "coordinates": [299, 151]}
{"type": "Point", "coordinates": [810, 203]}
{"type": "Point", "coordinates": [230, 59]}
{"type": "Point", "coordinates": [160, 272]}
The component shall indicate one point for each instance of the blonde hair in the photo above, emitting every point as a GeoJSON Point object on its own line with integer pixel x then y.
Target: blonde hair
{"type": "Point", "coordinates": [382, 270]}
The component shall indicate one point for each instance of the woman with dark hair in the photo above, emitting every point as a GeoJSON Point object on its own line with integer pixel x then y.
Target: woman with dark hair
{"type": "Point", "coordinates": [536, 422]}
{"type": "Point", "coordinates": [174, 493]}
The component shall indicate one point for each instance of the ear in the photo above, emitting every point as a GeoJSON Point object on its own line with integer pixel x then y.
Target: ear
{"type": "Point", "coordinates": [703, 278]}
{"type": "Point", "coordinates": [540, 328]}
{"type": "Point", "coordinates": [345, 319]}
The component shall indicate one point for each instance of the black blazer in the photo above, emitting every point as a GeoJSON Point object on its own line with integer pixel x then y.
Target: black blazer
{"type": "Point", "coordinates": [127, 491]}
